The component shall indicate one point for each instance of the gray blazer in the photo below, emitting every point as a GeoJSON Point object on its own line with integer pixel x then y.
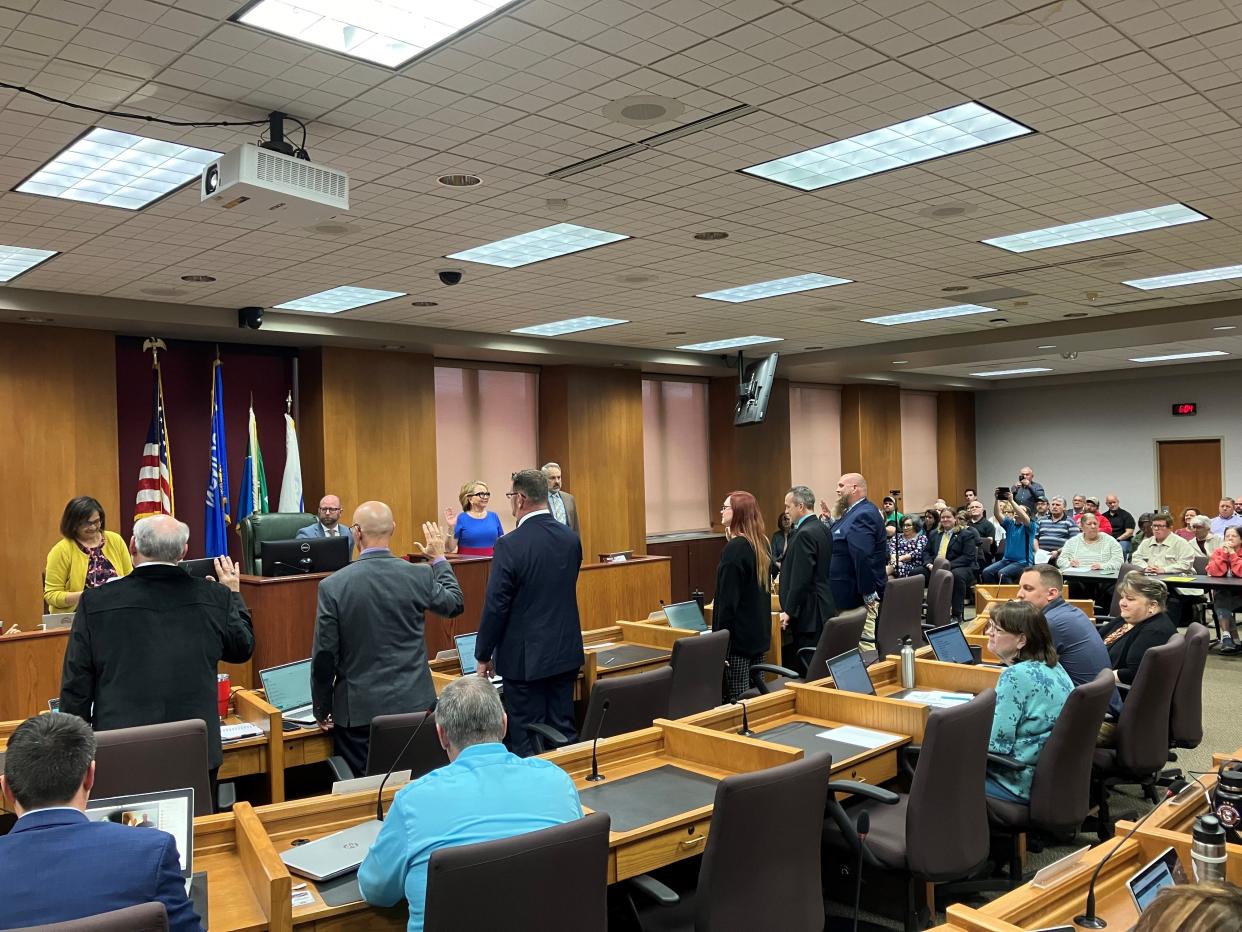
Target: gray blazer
{"type": "Point", "coordinates": [571, 511]}
{"type": "Point", "coordinates": [369, 656]}
{"type": "Point", "coordinates": [316, 530]}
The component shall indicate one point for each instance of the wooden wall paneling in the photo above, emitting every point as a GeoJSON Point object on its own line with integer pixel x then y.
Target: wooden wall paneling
{"type": "Point", "coordinates": [591, 422]}
{"type": "Point", "coordinates": [58, 416]}
{"type": "Point", "coordinates": [955, 445]}
{"type": "Point", "coordinates": [871, 436]}
{"type": "Point", "coordinates": [30, 665]}
{"type": "Point", "coordinates": [754, 458]}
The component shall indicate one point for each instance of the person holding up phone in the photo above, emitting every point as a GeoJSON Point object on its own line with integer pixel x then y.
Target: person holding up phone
{"type": "Point", "coordinates": [1019, 540]}
{"type": "Point", "coordinates": [1026, 491]}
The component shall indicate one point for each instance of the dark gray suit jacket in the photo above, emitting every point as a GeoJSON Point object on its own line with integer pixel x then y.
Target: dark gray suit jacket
{"type": "Point", "coordinates": [369, 654]}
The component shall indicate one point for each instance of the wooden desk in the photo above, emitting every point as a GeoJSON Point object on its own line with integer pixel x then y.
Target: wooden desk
{"type": "Point", "coordinates": [30, 666]}
{"type": "Point", "coordinates": [282, 609]}
{"type": "Point", "coordinates": [656, 627]}
{"type": "Point", "coordinates": [987, 595]}
{"type": "Point", "coordinates": [472, 574]}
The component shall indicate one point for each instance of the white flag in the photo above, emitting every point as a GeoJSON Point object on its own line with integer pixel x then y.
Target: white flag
{"type": "Point", "coordinates": [291, 485]}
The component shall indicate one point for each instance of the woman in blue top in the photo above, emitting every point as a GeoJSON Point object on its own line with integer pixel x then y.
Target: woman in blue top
{"type": "Point", "coordinates": [474, 530]}
{"type": "Point", "coordinates": [1019, 542]}
{"type": "Point", "coordinates": [1030, 693]}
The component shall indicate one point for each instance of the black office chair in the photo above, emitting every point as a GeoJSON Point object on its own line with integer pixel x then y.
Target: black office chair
{"type": "Point", "coordinates": [698, 664]}
{"type": "Point", "coordinates": [1186, 716]}
{"type": "Point", "coordinates": [754, 815]}
{"type": "Point", "coordinates": [901, 616]}
{"type": "Point", "coordinates": [553, 880]}
{"type": "Point", "coordinates": [151, 758]}
{"type": "Point", "coordinates": [255, 528]}
{"type": "Point", "coordinates": [145, 917]}
{"type": "Point", "coordinates": [389, 733]}
{"type": "Point", "coordinates": [939, 595]}
{"type": "Point", "coordinates": [634, 702]}
{"type": "Point", "coordinates": [841, 633]}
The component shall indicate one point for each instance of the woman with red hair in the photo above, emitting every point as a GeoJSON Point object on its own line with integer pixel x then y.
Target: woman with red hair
{"type": "Point", "coordinates": [743, 604]}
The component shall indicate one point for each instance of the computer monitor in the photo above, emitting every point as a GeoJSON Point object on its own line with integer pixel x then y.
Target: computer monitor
{"type": "Point", "coordinates": [949, 644]}
{"type": "Point", "coordinates": [306, 555]}
{"type": "Point", "coordinates": [754, 391]}
{"type": "Point", "coordinates": [849, 673]}
{"type": "Point", "coordinates": [287, 686]}
{"type": "Point", "coordinates": [685, 615]}
{"type": "Point", "coordinates": [170, 811]}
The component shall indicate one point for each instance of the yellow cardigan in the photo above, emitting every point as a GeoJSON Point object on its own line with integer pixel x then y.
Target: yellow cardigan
{"type": "Point", "coordinates": [66, 568]}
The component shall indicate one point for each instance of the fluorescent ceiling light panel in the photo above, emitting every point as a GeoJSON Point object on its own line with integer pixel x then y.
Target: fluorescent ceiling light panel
{"type": "Point", "coordinates": [386, 32]}
{"type": "Point", "coordinates": [573, 325]}
{"type": "Point", "coordinates": [996, 372]}
{"type": "Point", "coordinates": [731, 344]}
{"type": "Point", "coordinates": [1174, 356]}
{"type": "Point", "coordinates": [935, 313]}
{"type": "Point", "coordinates": [335, 300]}
{"type": "Point", "coordinates": [118, 170]}
{"type": "Point", "coordinates": [1186, 278]}
{"type": "Point", "coordinates": [14, 260]}
{"type": "Point", "coordinates": [776, 286]}
{"type": "Point", "coordinates": [537, 245]}
{"type": "Point", "coordinates": [1170, 215]}
{"type": "Point", "coordinates": [945, 132]}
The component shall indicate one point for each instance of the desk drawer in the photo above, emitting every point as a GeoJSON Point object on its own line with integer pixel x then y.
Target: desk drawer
{"type": "Point", "coordinates": [875, 771]}
{"type": "Point", "coordinates": [647, 854]}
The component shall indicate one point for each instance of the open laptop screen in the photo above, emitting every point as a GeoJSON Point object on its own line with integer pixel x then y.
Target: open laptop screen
{"type": "Point", "coordinates": [948, 643]}
{"type": "Point", "coordinates": [686, 616]}
{"type": "Point", "coordinates": [289, 685]}
{"type": "Point", "coordinates": [849, 673]}
{"type": "Point", "coordinates": [170, 811]}
{"type": "Point", "coordinates": [465, 652]}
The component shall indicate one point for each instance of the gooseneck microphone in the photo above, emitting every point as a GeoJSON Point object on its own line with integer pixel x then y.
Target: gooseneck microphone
{"type": "Point", "coordinates": [596, 776]}
{"type": "Point", "coordinates": [379, 794]}
{"type": "Point", "coordinates": [863, 826]}
{"type": "Point", "coordinates": [745, 720]}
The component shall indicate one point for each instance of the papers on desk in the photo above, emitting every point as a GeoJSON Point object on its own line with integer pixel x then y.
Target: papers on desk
{"type": "Point", "coordinates": [238, 732]}
{"type": "Point", "coordinates": [302, 896]}
{"type": "Point", "coordinates": [937, 698]}
{"type": "Point", "coordinates": [859, 737]}
{"type": "Point", "coordinates": [1178, 579]}
{"type": "Point", "coordinates": [601, 645]}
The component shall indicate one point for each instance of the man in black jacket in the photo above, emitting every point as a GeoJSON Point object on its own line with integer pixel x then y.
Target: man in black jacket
{"type": "Point", "coordinates": [805, 596]}
{"type": "Point", "coordinates": [144, 649]}
{"type": "Point", "coordinates": [960, 547]}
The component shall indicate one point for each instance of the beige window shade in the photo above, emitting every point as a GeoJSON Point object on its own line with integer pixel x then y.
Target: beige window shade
{"type": "Point", "coordinates": [675, 456]}
{"type": "Point", "coordinates": [919, 473]}
{"type": "Point", "coordinates": [815, 438]}
{"type": "Point", "coordinates": [487, 427]}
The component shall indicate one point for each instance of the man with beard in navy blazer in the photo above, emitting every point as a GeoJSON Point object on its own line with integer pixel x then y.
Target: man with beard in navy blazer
{"type": "Point", "coordinates": [859, 551]}
{"type": "Point", "coordinates": [530, 634]}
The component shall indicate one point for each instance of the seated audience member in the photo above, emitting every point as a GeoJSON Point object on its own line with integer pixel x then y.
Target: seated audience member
{"type": "Point", "coordinates": [58, 865]}
{"type": "Point", "coordinates": [969, 496]}
{"type": "Point", "coordinates": [1227, 517]}
{"type": "Point", "coordinates": [1197, 907]}
{"type": "Point", "coordinates": [1080, 649]}
{"type": "Point", "coordinates": [1227, 561]}
{"type": "Point", "coordinates": [1079, 505]}
{"type": "Point", "coordinates": [1186, 532]}
{"type": "Point", "coordinates": [976, 519]}
{"type": "Point", "coordinates": [1121, 520]}
{"type": "Point", "coordinates": [1030, 693]}
{"type": "Point", "coordinates": [1041, 508]}
{"type": "Point", "coordinates": [888, 509]}
{"type": "Point", "coordinates": [958, 545]}
{"type": "Point", "coordinates": [1092, 507]}
{"type": "Point", "coordinates": [1143, 532]}
{"type": "Point", "coordinates": [1202, 541]}
{"type": "Point", "coordinates": [1164, 552]}
{"type": "Point", "coordinates": [1092, 549]}
{"type": "Point", "coordinates": [905, 551]}
{"type": "Point", "coordinates": [1052, 532]}
{"type": "Point", "coordinates": [87, 555]}
{"type": "Point", "coordinates": [1026, 491]}
{"type": "Point", "coordinates": [931, 520]}
{"type": "Point", "coordinates": [1019, 543]}
{"type": "Point", "coordinates": [780, 542]}
{"type": "Point", "coordinates": [1144, 623]}
{"type": "Point", "coordinates": [475, 529]}
{"type": "Point", "coordinates": [484, 793]}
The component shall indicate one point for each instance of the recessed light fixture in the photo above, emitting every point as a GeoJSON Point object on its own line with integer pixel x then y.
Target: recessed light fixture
{"type": "Point", "coordinates": [812, 347]}
{"type": "Point", "coordinates": [1138, 221]}
{"type": "Point", "coordinates": [935, 313]}
{"type": "Point", "coordinates": [393, 346]}
{"type": "Point", "coordinates": [387, 32]}
{"type": "Point", "coordinates": [537, 245]}
{"type": "Point", "coordinates": [118, 170]}
{"type": "Point", "coordinates": [998, 372]}
{"type": "Point", "coordinates": [675, 333]}
{"type": "Point", "coordinates": [1174, 356]}
{"type": "Point", "coordinates": [198, 279]}
{"type": "Point", "coordinates": [1186, 278]}
{"type": "Point", "coordinates": [14, 260]}
{"type": "Point", "coordinates": [424, 304]}
{"type": "Point", "coordinates": [711, 235]}
{"type": "Point", "coordinates": [998, 320]}
{"type": "Point", "coordinates": [459, 181]}
{"type": "Point", "coordinates": [1073, 314]}
{"type": "Point", "coordinates": [335, 300]}
{"type": "Point", "coordinates": [1229, 327]}
{"type": "Point", "coordinates": [967, 126]}
{"type": "Point", "coordinates": [1049, 346]}
{"type": "Point", "coordinates": [572, 325]}
{"type": "Point", "coordinates": [953, 288]}
{"type": "Point", "coordinates": [900, 362]}
{"type": "Point", "coordinates": [776, 286]}
{"type": "Point", "coordinates": [730, 344]}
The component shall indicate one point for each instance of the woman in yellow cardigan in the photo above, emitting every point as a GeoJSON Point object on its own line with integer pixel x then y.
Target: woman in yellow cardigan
{"type": "Point", "coordinates": [87, 556]}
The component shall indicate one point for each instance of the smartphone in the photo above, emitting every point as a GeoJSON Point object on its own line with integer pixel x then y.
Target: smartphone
{"type": "Point", "coordinates": [53, 705]}
{"type": "Point", "coordinates": [1002, 492]}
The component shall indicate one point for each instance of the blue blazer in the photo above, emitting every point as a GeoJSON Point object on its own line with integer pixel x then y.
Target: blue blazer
{"type": "Point", "coordinates": [530, 614]}
{"type": "Point", "coordinates": [316, 530]}
{"type": "Point", "coordinates": [58, 865]}
{"type": "Point", "coordinates": [859, 555]}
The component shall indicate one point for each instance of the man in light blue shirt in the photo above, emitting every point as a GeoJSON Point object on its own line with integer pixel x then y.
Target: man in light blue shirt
{"type": "Point", "coordinates": [485, 793]}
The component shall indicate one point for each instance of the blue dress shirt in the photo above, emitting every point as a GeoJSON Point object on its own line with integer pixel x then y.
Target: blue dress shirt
{"type": "Point", "coordinates": [486, 794]}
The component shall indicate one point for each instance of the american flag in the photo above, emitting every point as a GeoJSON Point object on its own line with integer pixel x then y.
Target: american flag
{"type": "Point", "coordinates": [155, 481]}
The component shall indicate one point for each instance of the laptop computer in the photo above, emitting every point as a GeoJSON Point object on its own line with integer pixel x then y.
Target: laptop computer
{"type": "Point", "coordinates": [288, 687]}
{"type": "Point", "coordinates": [335, 854]}
{"type": "Point", "coordinates": [849, 673]}
{"type": "Point", "coordinates": [949, 644]}
{"type": "Point", "coordinates": [465, 655]}
{"type": "Point", "coordinates": [170, 811]}
{"type": "Point", "coordinates": [685, 615]}
{"type": "Point", "coordinates": [56, 620]}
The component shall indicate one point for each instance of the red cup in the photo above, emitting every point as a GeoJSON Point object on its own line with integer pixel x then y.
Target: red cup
{"type": "Point", "coordinates": [223, 689]}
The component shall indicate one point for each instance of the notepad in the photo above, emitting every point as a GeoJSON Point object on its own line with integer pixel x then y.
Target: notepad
{"type": "Point", "coordinates": [861, 737]}
{"type": "Point", "coordinates": [936, 698]}
{"type": "Point", "coordinates": [238, 732]}
{"type": "Point", "coordinates": [1175, 579]}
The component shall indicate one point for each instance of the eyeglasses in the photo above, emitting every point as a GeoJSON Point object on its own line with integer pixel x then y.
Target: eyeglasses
{"type": "Point", "coordinates": [511, 494]}
{"type": "Point", "coordinates": [98, 522]}
{"type": "Point", "coordinates": [329, 510]}
{"type": "Point", "coordinates": [480, 494]}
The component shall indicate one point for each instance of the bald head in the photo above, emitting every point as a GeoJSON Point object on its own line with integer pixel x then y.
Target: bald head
{"type": "Point", "coordinates": [850, 489]}
{"type": "Point", "coordinates": [375, 524]}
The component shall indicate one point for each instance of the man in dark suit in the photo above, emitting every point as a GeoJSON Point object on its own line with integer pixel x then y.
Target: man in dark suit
{"type": "Point", "coordinates": [144, 649]}
{"type": "Point", "coordinates": [530, 633]}
{"type": "Point", "coordinates": [58, 865]}
{"type": "Point", "coordinates": [960, 547]}
{"type": "Point", "coordinates": [805, 598]}
{"type": "Point", "coordinates": [861, 546]}
{"type": "Point", "coordinates": [369, 655]}
{"type": "Point", "coordinates": [329, 523]}
{"type": "Point", "coordinates": [562, 505]}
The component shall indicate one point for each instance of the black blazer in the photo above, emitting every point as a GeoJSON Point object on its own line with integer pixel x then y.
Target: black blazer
{"type": "Point", "coordinates": [1127, 652]}
{"type": "Point", "coordinates": [963, 548]}
{"type": "Point", "coordinates": [805, 594]}
{"type": "Point", "coordinates": [144, 650]}
{"type": "Point", "coordinates": [530, 614]}
{"type": "Point", "coordinates": [742, 607]}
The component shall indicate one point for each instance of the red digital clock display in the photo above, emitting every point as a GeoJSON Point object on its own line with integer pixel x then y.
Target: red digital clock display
{"type": "Point", "coordinates": [1185, 409]}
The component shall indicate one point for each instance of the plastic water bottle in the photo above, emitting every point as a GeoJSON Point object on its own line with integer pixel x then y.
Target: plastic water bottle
{"type": "Point", "coordinates": [907, 664]}
{"type": "Point", "coordinates": [1207, 850]}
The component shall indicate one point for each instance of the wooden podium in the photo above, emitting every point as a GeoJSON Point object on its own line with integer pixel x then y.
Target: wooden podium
{"type": "Point", "coordinates": [282, 610]}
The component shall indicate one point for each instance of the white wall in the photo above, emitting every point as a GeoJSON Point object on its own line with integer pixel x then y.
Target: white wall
{"type": "Point", "coordinates": [1099, 437]}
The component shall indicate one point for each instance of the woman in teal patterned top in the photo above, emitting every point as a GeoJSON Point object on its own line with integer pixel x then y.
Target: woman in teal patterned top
{"type": "Point", "coordinates": [1029, 696]}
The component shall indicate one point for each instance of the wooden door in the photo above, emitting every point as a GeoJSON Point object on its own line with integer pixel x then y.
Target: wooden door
{"type": "Point", "coordinates": [1189, 476]}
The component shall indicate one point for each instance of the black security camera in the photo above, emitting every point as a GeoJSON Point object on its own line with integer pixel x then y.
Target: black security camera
{"type": "Point", "coordinates": [250, 318]}
{"type": "Point", "coordinates": [450, 276]}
